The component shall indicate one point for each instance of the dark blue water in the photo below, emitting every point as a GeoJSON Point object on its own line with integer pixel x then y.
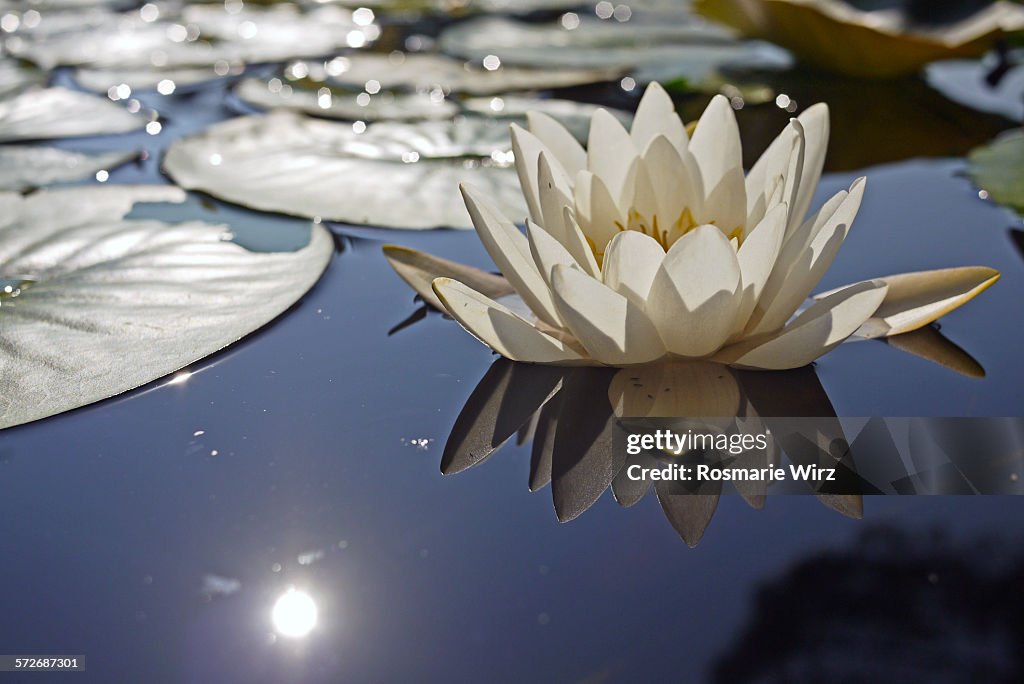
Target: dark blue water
{"type": "Point", "coordinates": [321, 436]}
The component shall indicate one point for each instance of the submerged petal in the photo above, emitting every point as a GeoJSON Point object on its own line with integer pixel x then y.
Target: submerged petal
{"type": "Point", "coordinates": [693, 299]}
{"type": "Point", "coordinates": [814, 332]}
{"type": "Point", "coordinates": [613, 329]}
{"type": "Point", "coordinates": [499, 328]}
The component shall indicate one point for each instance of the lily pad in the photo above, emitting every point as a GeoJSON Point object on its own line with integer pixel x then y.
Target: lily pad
{"type": "Point", "coordinates": [400, 175]}
{"type": "Point", "coordinates": [331, 103]}
{"type": "Point", "coordinates": [998, 169]}
{"type": "Point", "coordinates": [198, 36]}
{"type": "Point", "coordinates": [412, 71]}
{"type": "Point", "coordinates": [965, 81]}
{"type": "Point", "coordinates": [16, 77]}
{"type": "Point", "coordinates": [143, 78]}
{"type": "Point", "coordinates": [47, 113]}
{"type": "Point", "coordinates": [447, 7]}
{"type": "Point", "coordinates": [95, 304]}
{"type": "Point", "coordinates": [23, 167]}
{"type": "Point", "coordinates": [575, 116]}
{"type": "Point", "coordinates": [652, 50]}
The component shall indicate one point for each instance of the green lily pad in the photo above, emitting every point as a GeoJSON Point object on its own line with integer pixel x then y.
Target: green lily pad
{"type": "Point", "coordinates": [998, 169]}
{"type": "Point", "coordinates": [93, 304]}
{"type": "Point", "coordinates": [393, 174]}
{"type": "Point", "coordinates": [23, 166]}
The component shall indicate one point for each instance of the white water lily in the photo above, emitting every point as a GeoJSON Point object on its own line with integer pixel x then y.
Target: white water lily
{"type": "Point", "coordinates": [652, 244]}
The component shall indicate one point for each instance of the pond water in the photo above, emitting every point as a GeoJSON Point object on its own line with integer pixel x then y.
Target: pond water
{"type": "Point", "coordinates": [156, 532]}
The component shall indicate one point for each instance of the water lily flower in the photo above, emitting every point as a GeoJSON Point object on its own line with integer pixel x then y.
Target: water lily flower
{"type": "Point", "coordinates": [866, 44]}
{"type": "Point", "coordinates": [651, 244]}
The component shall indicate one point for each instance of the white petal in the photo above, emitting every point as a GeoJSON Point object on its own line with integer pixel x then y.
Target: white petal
{"type": "Point", "coordinates": [547, 251]}
{"type": "Point", "coordinates": [814, 332]}
{"type": "Point", "coordinates": [806, 255]}
{"type": "Point", "coordinates": [783, 160]}
{"type": "Point", "coordinates": [563, 145]}
{"type": "Point", "coordinates": [419, 270]}
{"type": "Point", "coordinates": [726, 205]}
{"type": "Point", "coordinates": [757, 257]}
{"type": "Point", "coordinates": [815, 124]}
{"type": "Point", "coordinates": [716, 147]}
{"type": "Point", "coordinates": [693, 298]}
{"type": "Point", "coordinates": [527, 149]}
{"type": "Point", "coordinates": [499, 328]}
{"type": "Point", "coordinates": [554, 197]}
{"type": "Point", "coordinates": [613, 329]}
{"type": "Point", "coordinates": [511, 253]}
{"type": "Point", "coordinates": [676, 184]}
{"type": "Point", "coordinates": [656, 116]}
{"type": "Point", "coordinates": [630, 264]}
{"type": "Point", "coordinates": [597, 219]}
{"type": "Point", "coordinates": [916, 299]}
{"type": "Point", "coordinates": [576, 243]}
{"type": "Point", "coordinates": [610, 151]}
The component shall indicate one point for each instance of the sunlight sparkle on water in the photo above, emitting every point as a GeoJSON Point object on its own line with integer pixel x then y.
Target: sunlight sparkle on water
{"type": "Point", "coordinates": [294, 614]}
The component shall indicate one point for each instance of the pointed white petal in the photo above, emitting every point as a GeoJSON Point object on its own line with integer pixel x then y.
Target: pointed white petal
{"type": "Point", "coordinates": [527, 149]}
{"type": "Point", "coordinates": [547, 251]}
{"type": "Point", "coordinates": [815, 124]}
{"type": "Point", "coordinates": [814, 332]}
{"type": "Point", "coordinates": [783, 160]}
{"type": "Point", "coordinates": [601, 218]}
{"type": "Point", "coordinates": [718, 153]}
{"type": "Point", "coordinates": [656, 116]}
{"type": "Point", "coordinates": [499, 328]}
{"type": "Point", "coordinates": [554, 197]}
{"type": "Point", "coordinates": [566, 148]}
{"type": "Point", "coordinates": [916, 299]}
{"type": "Point", "coordinates": [630, 264]}
{"type": "Point", "coordinates": [613, 329]}
{"type": "Point", "coordinates": [576, 243]}
{"type": "Point", "coordinates": [676, 184]}
{"type": "Point", "coordinates": [511, 253]}
{"type": "Point", "coordinates": [805, 257]}
{"type": "Point", "coordinates": [757, 257]}
{"type": "Point", "coordinates": [610, 151]}
{"type": "Point", "coordinates": [725, 205]}
{"type": "Point", "coordinates": [419, 270]}
{"type": "Point", "coordinates": [693, 298]}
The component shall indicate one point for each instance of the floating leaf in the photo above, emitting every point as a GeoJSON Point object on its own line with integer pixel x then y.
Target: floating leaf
{"type": "Point", "coordinates": [23, 167]}
{"type": "Point", "coordinates": [654, 50]}
{"type": "Point", "coordinates": [95, 304]}
{"type": "Point", "coordinates": [871, 44]}
{"type": "Point", "coordinates": [15, 77]}
{"type": "Point", "coordinates": [447, 7]}
{"type": "Point", "coordinates": [575, 116]}
{"type": "Point", "coordinates": [966, 82]}
{"type": "Point", "coordinates": [425, 72]}
{"type": "Point", "coordinates": [327, 102]}
{"type": "Point", "coordinates": [200, 35]}
{"type": "Point", "coordinates": [998, 169]}
{"type": "Point", "coordinates": [142, 78]}
{"type": "Point", "coordinates": [46, 113]}
{"type": "Point", "coordinates": [401, 175]}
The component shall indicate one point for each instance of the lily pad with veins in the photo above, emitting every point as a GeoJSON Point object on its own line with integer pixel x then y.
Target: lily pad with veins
{"type": "Point", "coordinates": [998, 169]}
{"type": "Point", "coordinates": [399, 175]}
{"type": "Point", "coordinates": [93, 304]}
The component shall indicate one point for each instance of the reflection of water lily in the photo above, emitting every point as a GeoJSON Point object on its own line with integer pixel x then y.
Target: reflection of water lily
{"type": "Point", "coordinates": [570, 414]}
{"type": "Point", "coordinates": [875, 44]}
{"type": "Point", "coordinates": [650, 244]}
